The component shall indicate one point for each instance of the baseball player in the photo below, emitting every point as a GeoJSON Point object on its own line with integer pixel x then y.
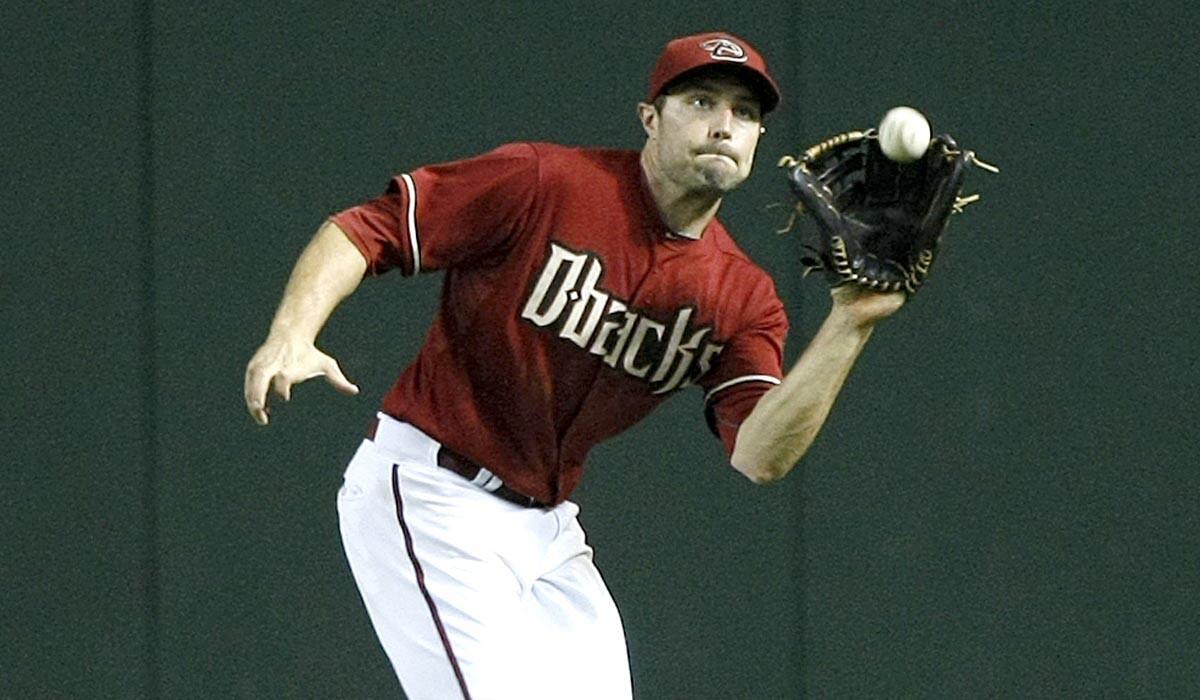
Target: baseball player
{"type": "Point", "coordinates": [582, 287]}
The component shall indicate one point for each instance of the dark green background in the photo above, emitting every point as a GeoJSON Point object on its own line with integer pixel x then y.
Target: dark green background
{"type": "Point", "coordinates": [1003, 503]}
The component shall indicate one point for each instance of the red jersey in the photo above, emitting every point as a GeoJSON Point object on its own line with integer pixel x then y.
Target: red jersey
{"type": "Point", "coordinates": [569, 311]}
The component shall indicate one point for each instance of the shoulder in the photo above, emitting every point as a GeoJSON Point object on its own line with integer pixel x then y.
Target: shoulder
{"type": "Point", "coordinates": [505, 161]}
{"type": "Point", "coordinates": [550, 156]}
{"type": "Point", "coordinates": [516, 153]}
{"type": "Point", "coordinates": [554, 152]}
{"type": "Point", "coordinates": [558, 161]}
{"type": "Point", "coordinates": [748, 289]}
{"type": "Point", "coordinates": [551, 164]}
{"type": "Point", "coordinates": [733, 258]}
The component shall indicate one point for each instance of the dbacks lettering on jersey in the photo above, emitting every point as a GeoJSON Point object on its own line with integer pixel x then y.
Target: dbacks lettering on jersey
{"type": "Point", "coordinates": [567, 297]}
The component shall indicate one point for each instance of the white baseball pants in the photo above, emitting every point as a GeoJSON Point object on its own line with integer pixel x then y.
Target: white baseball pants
{"type": "Point", "coordinates": [472, 596]}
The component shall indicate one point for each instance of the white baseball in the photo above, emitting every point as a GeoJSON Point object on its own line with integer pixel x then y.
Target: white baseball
{"type": "Point", "coordinates": [904, 134]}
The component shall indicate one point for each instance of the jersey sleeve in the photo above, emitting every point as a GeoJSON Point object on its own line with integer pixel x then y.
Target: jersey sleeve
{"type": "Point", "coordinates": [750, 364]}
{"type": "Point", "coordinates": [448, 215]}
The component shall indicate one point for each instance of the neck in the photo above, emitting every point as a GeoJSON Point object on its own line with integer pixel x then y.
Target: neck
{"type": "Point", "coordinates": [685, 212]}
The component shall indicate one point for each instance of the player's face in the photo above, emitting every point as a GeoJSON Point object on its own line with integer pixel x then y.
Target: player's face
{"type": "Point", "coordinates": [706, 134]}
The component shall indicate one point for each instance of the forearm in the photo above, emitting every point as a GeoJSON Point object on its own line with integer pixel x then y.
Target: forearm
{"type": "Point", "coordinates": [329, 270]}
{"type": "Point", "coordinates": [787, 418]}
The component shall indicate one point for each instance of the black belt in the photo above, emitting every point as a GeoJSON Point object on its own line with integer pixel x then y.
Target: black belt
{"type": "Point", "coordinates": [449, 459]}
{"type": "Point", "coordinates": [453, 461]}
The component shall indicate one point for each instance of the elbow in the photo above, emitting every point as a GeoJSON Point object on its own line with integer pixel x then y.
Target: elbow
{"type": "Point", "coordinates": [767, 459]}
{"type": "Point", "coordinates": [766, 477]}
{"type": "Point", "coordinates": [763, 472]}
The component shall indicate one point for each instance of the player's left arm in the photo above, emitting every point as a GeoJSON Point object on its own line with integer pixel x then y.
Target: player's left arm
{"type": "Point", "coordinates": [786, 420]}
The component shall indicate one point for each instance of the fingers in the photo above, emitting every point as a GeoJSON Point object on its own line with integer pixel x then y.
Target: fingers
{"type": "Point", "coordinates": [272, 369]}
{"type": "Point", "coordinates": [335, 376]}
{"type": "Point", "coordinates": [258, 381]}
{"type": "Point", "coordinates": [282, 384]}
{"type": "Point", "coordinates": [255, 391]}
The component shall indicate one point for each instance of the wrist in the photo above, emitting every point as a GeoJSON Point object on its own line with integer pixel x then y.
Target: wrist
{"type": "Point", "coordinates": [845, 319]}
{"type": "Point", "coordinates": [289, 334]}
{"type": "Point", "coordinates": [862, 307]}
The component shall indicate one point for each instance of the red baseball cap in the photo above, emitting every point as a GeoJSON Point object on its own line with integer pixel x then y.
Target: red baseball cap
{"type": "Point", "coordinates": [689, 53]}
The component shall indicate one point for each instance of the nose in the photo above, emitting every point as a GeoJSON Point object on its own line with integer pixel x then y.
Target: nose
{"type": "Point", "coordinates": [722, 124]}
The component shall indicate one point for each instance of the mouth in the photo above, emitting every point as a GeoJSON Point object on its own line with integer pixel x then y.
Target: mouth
{"type": "Point", "coordinates": [717, 154]}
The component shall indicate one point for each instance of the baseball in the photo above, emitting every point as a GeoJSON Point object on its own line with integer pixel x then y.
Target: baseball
{"type": "Point", "coordinates": [904, 134]}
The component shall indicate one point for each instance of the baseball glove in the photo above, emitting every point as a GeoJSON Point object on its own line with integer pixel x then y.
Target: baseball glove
{"type": "Point", "coordinates": [880, 221]}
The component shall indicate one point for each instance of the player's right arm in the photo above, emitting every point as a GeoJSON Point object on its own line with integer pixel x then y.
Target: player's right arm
{"type": "Point", "coordinates": [467, 211]}
{"type": "Point", "coordinates": [329, 270]}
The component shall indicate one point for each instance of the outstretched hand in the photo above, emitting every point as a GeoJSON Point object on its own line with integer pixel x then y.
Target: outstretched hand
{"type": "Point", "coordinates": [280, 364]}
{"type": "Point", "coordinates": [864, 307]}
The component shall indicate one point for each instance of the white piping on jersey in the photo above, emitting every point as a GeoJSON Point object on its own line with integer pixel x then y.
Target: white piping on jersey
{"type": "Point", "coordinates": [738, 380]}
{"type": "Point", "coordinates": [412, 221]}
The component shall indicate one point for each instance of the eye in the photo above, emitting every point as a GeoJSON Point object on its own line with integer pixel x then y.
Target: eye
{"type": "Point", "coordinates": [747, 112]}
{"type": "Point", "coordinates": [701, 101]}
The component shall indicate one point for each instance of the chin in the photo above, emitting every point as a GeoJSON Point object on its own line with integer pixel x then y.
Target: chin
{"type": "Point", "coordinates": [720, 182]}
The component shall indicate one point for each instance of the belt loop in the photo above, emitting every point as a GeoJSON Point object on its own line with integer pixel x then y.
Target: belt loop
{"type": "Point", "coordinates": [486, 480]}
{"type": "Point", "coordinates": [435, 448]}
{"type": "Point", "coordinates": [483, 479]}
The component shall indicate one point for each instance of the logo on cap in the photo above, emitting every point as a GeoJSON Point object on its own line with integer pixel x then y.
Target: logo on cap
{"type": "Point", "coordinates": [724, 50]}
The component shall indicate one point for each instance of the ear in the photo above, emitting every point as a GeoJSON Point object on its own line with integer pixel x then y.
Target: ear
{"type": "Point", "coordinates": [649, 117]}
